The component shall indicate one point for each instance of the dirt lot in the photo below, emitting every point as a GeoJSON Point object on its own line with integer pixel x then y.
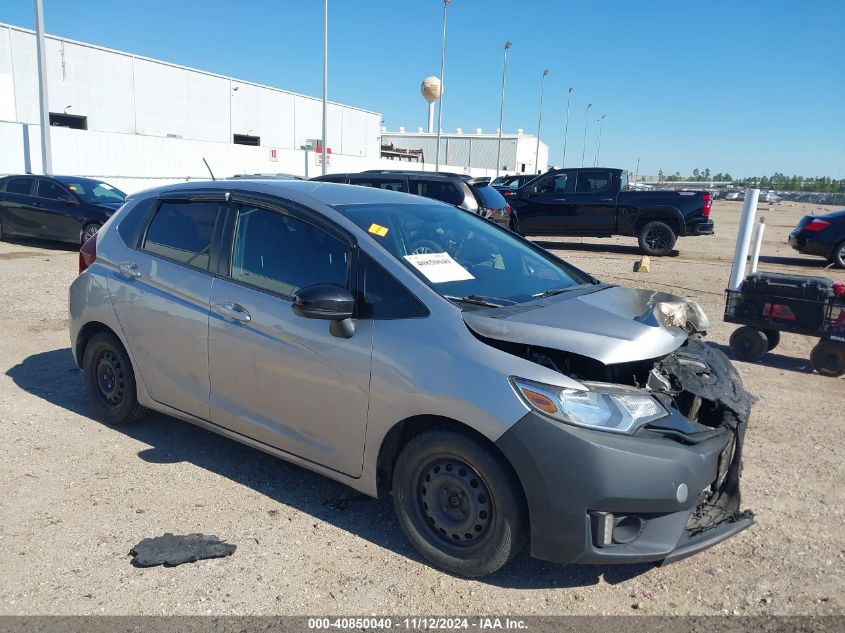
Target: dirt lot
{"type": "Point", "coordinates": [78, 495]}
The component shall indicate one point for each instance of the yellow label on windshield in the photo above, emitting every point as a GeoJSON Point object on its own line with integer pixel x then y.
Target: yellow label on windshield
{"type": "Point", "coordinates": [378, 229]}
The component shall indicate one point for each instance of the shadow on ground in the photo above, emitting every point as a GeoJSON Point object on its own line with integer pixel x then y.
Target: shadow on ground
{"type": "Point", "coordinates": [53, 376]}
{"type": "Point", "coordinates": [619, 249]}
{"type": "Point", "coordinates": [777, 361]}
{"type": "Point", "coordinates": [801, 262]}
{"type": "Point", "coordinates": [49, 245]}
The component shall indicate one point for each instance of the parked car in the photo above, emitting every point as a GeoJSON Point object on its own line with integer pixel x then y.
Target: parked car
{"type": "Point", "coordinates": [499, 394]}
{"type": "Point", "coordinates": [769, 197]}
{"type": "Point", "coordinates": [508, 185]}
{"type": "Point", "coordinates": [465, 192]}
{"type": "Point", "coordinates": [595, 202]}
{"type": "Point", "coordinates": [735, 195]}
{"type": "Point", "coordinates": [821, 235]}
{"type": "Point", "coordinates": [277, 176]}
{"type": "Point", "coordinates": [61, 208]}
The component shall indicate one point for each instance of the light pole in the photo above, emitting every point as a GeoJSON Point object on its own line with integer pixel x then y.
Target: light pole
{"type": "Point", "coordinates": [325, 77]}
{"type": "Point", "coordinates": [586, 123]}
{"type": "Point", "coordinates": [508, 44]}
{"type": "Point", "coordinates": [446, 3]}
{"type": "Point", "coordinates": [540, 120]}
{"type": "Point", "coordinates": [566, 129]}
{"type": "Point", "coordinates": [598, 141]}
{"type": "Point", "coordinates": [41, 50]}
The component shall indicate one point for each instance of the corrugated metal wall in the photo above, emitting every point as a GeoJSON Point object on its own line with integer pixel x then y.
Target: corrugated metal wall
{"type": "Point", "coordinates": [460, 151]}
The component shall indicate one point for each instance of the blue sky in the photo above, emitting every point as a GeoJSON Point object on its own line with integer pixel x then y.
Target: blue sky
{"type": "Point", "coordinates": [747, 88]}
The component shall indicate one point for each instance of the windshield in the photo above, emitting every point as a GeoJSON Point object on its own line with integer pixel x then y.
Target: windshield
{"type": "Point", "coordinates": [463, 256]}
{"type": "Point", "coordinates": [94, 191]}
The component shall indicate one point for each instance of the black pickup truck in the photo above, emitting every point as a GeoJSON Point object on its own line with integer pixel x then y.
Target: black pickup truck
{"type": "Point", "coordinates": [596, 202]}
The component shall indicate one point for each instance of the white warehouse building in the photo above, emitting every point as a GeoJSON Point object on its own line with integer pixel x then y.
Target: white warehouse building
{"type": "Point", "coordinates": [475, 151]}
{"type": "Point", "coordinates": [131, 119]}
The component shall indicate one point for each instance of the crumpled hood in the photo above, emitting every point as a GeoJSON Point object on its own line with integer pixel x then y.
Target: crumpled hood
{"type": "Point", "coordinates": [611, 325]}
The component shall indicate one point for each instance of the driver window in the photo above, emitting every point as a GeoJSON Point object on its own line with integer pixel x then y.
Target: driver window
{"type": "Point", "coordinates": [51, 191]}
{"type": "Point", "coordinates": [554, 184]}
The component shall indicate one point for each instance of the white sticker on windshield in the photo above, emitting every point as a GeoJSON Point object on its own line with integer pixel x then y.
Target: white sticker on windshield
{"type": "Point", "coordinates": [439, 267]}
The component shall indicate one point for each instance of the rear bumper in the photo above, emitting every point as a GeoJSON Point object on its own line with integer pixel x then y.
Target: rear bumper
{"type": "Point", "coordinates": [809, 246]}
{"type": "Point", "coordinates": [703, 228]}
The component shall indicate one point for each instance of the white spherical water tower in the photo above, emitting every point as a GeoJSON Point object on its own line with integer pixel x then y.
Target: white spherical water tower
{"type": "Point", "coordinates": [431, 89]}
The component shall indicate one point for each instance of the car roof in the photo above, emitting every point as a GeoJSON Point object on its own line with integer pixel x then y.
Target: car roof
{"type": "Point", "coordinates": [304, 191]}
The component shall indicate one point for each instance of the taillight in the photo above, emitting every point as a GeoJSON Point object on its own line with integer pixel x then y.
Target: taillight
{"type": "Point", "coordinates": [708, 202]}
{"type": "Point", "coordinates": [816, 225]}
{"type": "Point", "coordinates": [88, 253]}
{"type": "Point", "coordinates": [508, 194]}
{"type": "Point", "coordinates": [508, 209]}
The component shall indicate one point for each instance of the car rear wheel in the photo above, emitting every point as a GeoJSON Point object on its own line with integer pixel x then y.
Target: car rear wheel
{"type": "Point", "coordinates": [458, 503]}
{"type": "Point", "coordinates": [89, 231]}
{"type": "Point", "coordinates": [838, 257]}
{"type": "Point", "coordinates": [749, 344]}
{"type": "Point", "coordinates": [828, 358]}
{"type": "Point", "coordinates": [657, 238]}
{"type": "Point", "coordinates": [110, 380]}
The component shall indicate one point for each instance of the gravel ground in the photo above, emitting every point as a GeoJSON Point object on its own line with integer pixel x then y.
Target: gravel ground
{"type": "Point", "coordinates": [78, 495]}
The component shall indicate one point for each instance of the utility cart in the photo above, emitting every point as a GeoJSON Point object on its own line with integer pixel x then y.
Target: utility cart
{"type": "Point", "coordinates": [769, 303]}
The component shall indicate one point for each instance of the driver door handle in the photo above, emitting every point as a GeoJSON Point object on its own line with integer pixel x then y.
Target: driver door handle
{"type": "Point", "coordinates": [233, 310]}
{"type": "Point", "coordinates": [130, 270]}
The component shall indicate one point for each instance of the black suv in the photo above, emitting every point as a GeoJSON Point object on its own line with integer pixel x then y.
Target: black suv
{"type": "Point", "coordinates": [470, 194]}
{"type": "Point", "coordinates": [62, 208]}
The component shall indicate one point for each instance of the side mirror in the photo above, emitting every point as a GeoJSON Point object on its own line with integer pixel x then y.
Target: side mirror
{"type": "Point", "coordinates": [328, 302]}
{"type": "Point", "coordinates": [70, 201]}
{"type": "Point", "coordinates": [528, 191]}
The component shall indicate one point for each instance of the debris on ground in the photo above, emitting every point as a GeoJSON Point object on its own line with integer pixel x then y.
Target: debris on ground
{"type": "Point", "coordinates": [174, 549]}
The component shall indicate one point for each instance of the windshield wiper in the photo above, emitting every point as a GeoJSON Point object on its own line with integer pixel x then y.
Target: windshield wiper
{"type": "Point", "coordinates": [554, 291]}
{"type": "Point", "coordinates": [478, 300]}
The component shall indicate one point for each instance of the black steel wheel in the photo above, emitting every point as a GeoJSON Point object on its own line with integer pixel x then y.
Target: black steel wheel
{"type": "Point", "coordinates": [773, 339]}
{"type": "Point", "coordinates": [458, 503]}
{"type": "Point", "coordinates": [657, 238]}
{"type": "Point", "coordinates": [110, 380]}
{"type": "Point", "coordinates": [828, 358]}
{"type": "Point", "coordinates": [749, 344]}
{"type": "Point", "coordinates": [89, 231]}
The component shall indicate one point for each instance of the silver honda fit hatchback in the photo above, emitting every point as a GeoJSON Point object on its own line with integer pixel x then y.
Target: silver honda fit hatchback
{"type": "Point", "coordinates": [404, 347]}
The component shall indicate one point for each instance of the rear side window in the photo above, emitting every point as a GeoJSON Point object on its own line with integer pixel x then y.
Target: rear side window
{"type": "Point", "coordinates": [22, 186]}
{"type": "Point", "coordinates": [182, 232]}
{"type": "Point", "coordinates": [50, 190]}
{"type": "Point", "coordinates": [490, 198]}
{"type": "Point", "coordinates": [442, 190]}
{"type": "Point", "coordinates": [384, 296]}
{"type": "Point", "coordinates": [276, 252]}
{"type": "Point", "coordinates": [379, 183]}
{"type": "Point", "coordinates": [593, 181]}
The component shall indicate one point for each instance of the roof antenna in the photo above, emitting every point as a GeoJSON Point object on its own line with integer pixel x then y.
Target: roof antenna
{"type": "Point", "coordinates": [208, 168]}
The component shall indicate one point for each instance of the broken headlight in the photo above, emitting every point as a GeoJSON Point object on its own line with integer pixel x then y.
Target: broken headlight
{"type": "Point", "coordinates": [603, 407]}
{"type": "Point", "coordinates": [685, 314]}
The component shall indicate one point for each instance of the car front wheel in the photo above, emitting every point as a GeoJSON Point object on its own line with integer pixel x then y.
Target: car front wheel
{"type": "Point", "coordinates": [110, 380]}
{"type": "Point", "coordinates": [459, 503]}
{"type": "Point", "coordinates": [838, 257]}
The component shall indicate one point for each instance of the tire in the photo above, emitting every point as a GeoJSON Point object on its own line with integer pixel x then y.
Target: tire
{"type": "Point", "coordinates": [838, 255]}
{"type": "Point", "coordinates": [459, 503]}
{"type": "Point", "coordinates": [88, 231]}
{"type": "Point", "coordinates": [828, 358]}
{"type": "Point", "coordinates": [657, 238]}
{"type": "Point", "coordinates": [1, 231]}
{"type": "Point", "coordinates": [110, 380]}
{"type": "Point", "coordinates": [749, 344]}
{"type": "Point", "coordinates": [773, 338]}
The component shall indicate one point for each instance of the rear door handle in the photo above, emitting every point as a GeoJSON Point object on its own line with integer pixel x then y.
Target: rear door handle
{"type": "Point", "coordinates": [130, 270]}
{"type": "Point", "coordinates": [233, 310]}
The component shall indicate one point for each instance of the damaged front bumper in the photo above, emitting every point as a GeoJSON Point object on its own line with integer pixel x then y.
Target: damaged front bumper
{"type": "Point", "coordinates": [656, 496]}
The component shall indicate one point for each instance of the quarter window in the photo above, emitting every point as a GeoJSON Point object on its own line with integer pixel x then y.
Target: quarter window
{"type": "Point", "coordinates": [384, 296]}
{"type": "Point", "coordinates": [282, 254]}
{"type": "Point", "coordinates": [182, 232]}
{"type": "Point", "coordinates": [438, 189]}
